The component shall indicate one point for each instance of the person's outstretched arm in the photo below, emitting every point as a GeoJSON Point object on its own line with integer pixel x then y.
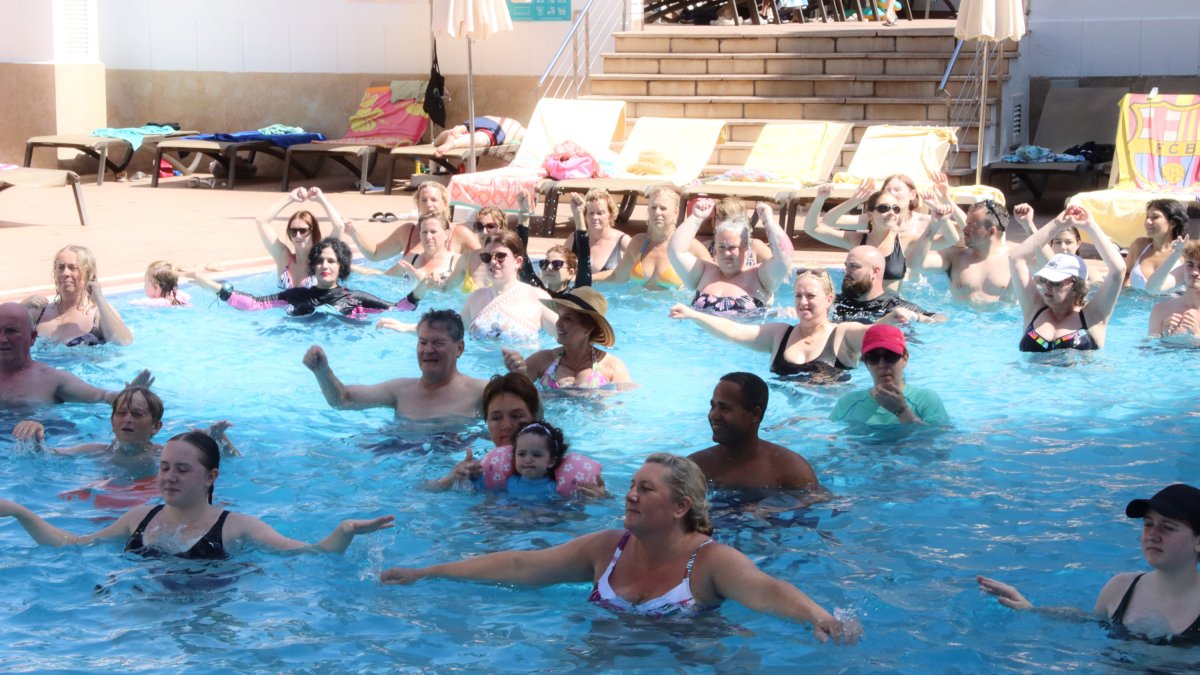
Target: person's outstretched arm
{"type": "Point", "coordinates": [759, 337]}
{"type": "Point", "coordinates": [266, 232]}
{"type": "Point", "coordinates": [772, 272]}
{"type": "Point", "coordinates": [572, 562]}
{"type": "Point", "coordinates": [818, 228]}
{"type": "Point", "coordinates": [48, 535]}
{"type": "Point", "coordinates": [340, 396]}
{"type": "Point", "coordinates": [1100, 308]}
{"type": "Point", "coordinates": [335, 219]}
{"type": "Point", "coordinates": [689, 267]}
{"type": "Point", "coordinates": [240, 527]}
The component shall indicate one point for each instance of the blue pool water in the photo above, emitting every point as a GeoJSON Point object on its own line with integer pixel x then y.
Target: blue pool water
{"type": "Point", "coordinates": [1029, 485]}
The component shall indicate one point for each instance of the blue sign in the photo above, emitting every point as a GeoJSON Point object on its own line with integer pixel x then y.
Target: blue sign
{"type": "Point", "coordinates": [540, 10]}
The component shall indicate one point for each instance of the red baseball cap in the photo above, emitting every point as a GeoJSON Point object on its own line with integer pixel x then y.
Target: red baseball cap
{"type": "Point", "coordinates": [884, 336]}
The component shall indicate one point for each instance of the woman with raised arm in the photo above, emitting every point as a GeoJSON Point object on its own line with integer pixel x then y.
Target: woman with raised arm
{"type": "Point", "coordinates": [1153, 261]}
{"type": "Point", "coordinates": [302, 231]}
{"type": "Point", "coordinates": [187, 525]}
{"type": "Point", "coordinates": [79, 314]}
{"type": "Point", "coordinates": [813, 350]}
{"type": "Point", "coordinates": [597, 210]}
{"type": "Point", "coordinates": [663, 564]}
{"type": "Point", "coordinates": [728, 286]}
{"type": "Point", "coordinates": [405, 239]}
{"type": "Point", "coordinates": [1066, 241]}
{"type": "Point", "coordinates": [1054, 301]}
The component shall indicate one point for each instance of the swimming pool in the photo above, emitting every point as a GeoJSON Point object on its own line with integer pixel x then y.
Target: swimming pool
{"type": "Point", "coordinates": [1030, 486]}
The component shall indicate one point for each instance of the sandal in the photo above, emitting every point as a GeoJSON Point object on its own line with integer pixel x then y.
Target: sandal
{"type": "Point", "coordinates": [389, 217]}
{"type": "Point", "coordinates": [377, 217]}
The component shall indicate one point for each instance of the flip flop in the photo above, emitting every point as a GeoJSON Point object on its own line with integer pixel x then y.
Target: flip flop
{"type": "Point", "coordinates": [377, 217]}
{"type": "Point", "coordinates": [389, 217]}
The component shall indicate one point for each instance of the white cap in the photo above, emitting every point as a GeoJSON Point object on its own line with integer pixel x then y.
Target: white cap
{"type": "Point", "coordinates": [1063, 266]}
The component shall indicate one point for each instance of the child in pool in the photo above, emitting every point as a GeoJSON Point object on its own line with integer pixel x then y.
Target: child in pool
{"type": "Point", "coordinates": [162, 287]}
{"type": "Point", "coordinates": [536, 465]}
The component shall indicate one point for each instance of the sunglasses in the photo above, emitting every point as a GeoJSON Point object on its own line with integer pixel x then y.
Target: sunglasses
{"type": "Point", "coordinates": [884, 208]}
{"type": "Point", "coordinates": [815, 271]}
{"type": "Point", "coordinates": [294, 232]}
{"type": "Point", "coordinates": [1046, 283]}
{"type": "Point", "coordinates": [552, 264]}
{"type": "Point", "coordinates": [877, 356]}
{"type": "Point", "coordinates": [499, 256]}
{"type": "Point", "coordinates": [488, 227]}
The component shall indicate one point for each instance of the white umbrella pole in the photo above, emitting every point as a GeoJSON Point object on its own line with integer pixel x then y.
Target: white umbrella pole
{"type": "Point", "coordinates": [982, 116]}
{"type": "Point", "coordinates": [471, 104]}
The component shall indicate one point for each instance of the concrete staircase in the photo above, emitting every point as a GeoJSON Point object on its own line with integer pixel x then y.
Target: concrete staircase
{"type": "Point", "coordinates": [750, 75]}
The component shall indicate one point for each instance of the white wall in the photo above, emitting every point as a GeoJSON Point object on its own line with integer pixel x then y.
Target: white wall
{"type": "Point", "coordinates": [306, 36]}
{"type": "Point", "coordinates": [26, 31]}
{"type": "Point", "coordinates": [1098, 38]}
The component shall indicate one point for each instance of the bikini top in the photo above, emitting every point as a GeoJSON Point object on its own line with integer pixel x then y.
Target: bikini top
{"type": "Point", "coordinates": [667, 277]}
{"type": "Point", "coordinates": [1078, 339]}
{"type": "Point", "coordinates": [594, 381]}
{"type": "Point", "coordinates": [1190, 635]}
{"type": "Point", "coordinates": [819, 365]}
{"type": "Point", "coordinates": [209, 547]}
{"type": "Point", "coordinates": [497, 322]}
{"type": "Point", "coordinates": [614, 258]}
{"type": "Point", "coordinates": [93, 337]}
{"type": "Point", "coordinates": [285, 279]}
{"type": "Point", "coordinates": [1137, 278]}
{"type": "Point", "coordinates": [676, 602]}
{"type": "Point", "coordinates": [741, 306]}
{"type": "Point", "coordinates": [894, 265]}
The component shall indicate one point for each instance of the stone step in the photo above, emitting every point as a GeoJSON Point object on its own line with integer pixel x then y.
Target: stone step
{"type": "Point", "coordinates": [735, 154]}
{"type": "Point", "coordinates": [885, 86]}
{"type": "Point", "coordinates": [874, 110]}
{"type": "Point", "coordinates": [804, 43]}
{"type": "Point", "coordinates": [747, 129]}
{"type": "Point", "coordinates": [768, 63]}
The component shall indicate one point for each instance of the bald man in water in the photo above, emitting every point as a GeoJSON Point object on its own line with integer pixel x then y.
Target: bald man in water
{"type": "Point", "coordinates": [863, 299]}
{"type": "Point", "coordinates": [24, 381]}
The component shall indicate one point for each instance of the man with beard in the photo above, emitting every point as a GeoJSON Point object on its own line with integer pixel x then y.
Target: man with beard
{"type": "Point", "coordinates": [978, 272]}
{"type": "Point", "coordinates": [441, 391]}
{"type": "Point", "coordinates": [891, 400]}
{"type": "Point", "coordinates": [863, 299]}
{"type": "Point", "coordinates": [740, 459]}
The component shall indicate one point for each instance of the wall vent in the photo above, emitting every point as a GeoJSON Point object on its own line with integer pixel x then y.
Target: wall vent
{"type": "Point", "coordinates": [75, 30]}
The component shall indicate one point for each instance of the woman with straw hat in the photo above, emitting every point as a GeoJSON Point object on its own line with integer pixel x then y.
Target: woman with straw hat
{"type": "Point", "coordinates": [581, 329]}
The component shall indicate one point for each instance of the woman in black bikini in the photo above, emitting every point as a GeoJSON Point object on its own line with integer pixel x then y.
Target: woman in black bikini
{"type": "Point", "coordinates": [79, 313]}
{"type": "Point", "coordinates": [1054, 301]}
{"type": "Point", "coordinates": [188, 525]}
{"type": "Point", "coordinates": [1162, 606]}
{"type": "Point", "coordinates": [815, 349]}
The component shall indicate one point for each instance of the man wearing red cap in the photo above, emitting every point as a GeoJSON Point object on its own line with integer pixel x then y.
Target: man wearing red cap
{"type": "Point", "coordinates": [891, 400]}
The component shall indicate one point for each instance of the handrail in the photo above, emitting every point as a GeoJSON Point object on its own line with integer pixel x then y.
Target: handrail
{"type": "Point", "coordinates": [949, 66]}
{"type": "Point", "coordinates": [566, 40]}
{"type": "Point", "coordinates": [963, 109]}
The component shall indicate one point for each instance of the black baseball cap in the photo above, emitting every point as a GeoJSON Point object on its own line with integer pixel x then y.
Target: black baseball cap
{"type": "Point", "coordinates": [1178, 502]}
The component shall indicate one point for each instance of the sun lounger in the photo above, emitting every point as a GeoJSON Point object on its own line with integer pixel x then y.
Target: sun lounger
{"type": "Point", "coordinates": [379, 122]}
{"type": "Point", "coordinates": [225, 148]}
{"type": "Point", "coordinates": [454, 159]}
{"type": "Point", "coordinates": [1070, 117]}
{"type": "Point", "coordinates": [112, 153]}
{"type": "Point", "coordinates": [1157, 157]}
{"type": "Point", "coordinates": [679, 147]}
{"type": "Point", "coordinates": [593, 125]}
{"type": "Point", "coordinates": [12, 175]}
{"type": "Point", "coordinates": [786, 156]}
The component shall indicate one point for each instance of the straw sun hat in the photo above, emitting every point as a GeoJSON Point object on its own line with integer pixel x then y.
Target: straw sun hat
{"type": "Point", "coordinates": [586, 300]}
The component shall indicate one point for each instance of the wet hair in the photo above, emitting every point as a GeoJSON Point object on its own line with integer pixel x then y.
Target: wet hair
{"type": "Point", "coordinates": [995, 215]}
{"type": "Point", "coordinates": [1173, 211]}
{"type": "Point", "coordinates": [442, 192]}
{"type": "Point", "coordinates": [87, 271]}
{"type": "Point", "coordinates": [446, 319]}
{"type": "Point", "coordinates": [822, 278]}
{"type": "Point", "coordinates": [517, 384]}
{"type": "Point", "coordinates": [915, 202]}
{"type": "Point", "coordinates": [153, 402]}
{"type": "Point", "coordinates": [687, 480]}
{"type": "Point", "coordinates": [670, 193]}
{"type": "Point", "coordinates": [210, 452]}
{"type": "Point", "coordinates": [1191, 250]}
{"type": "Point", "coordinates": [497, 214]}
{"type": "Point", "coordinates": [728, 209]}
{"type": "Point", "coordinates": [441, 219]}
{"type": "Point", "coordinates": [569, 256]}
{"type": "Point", "coordinates": [508, 239]}
{"type": "Point", "coordinates": [163, 276]}
{"type": "Point", "coordinates": [557, 444]}
{"type": "Point", "coordinates": [340, 250]}
{"type": "Point", "coordinates": [754, 391]}
{"type": "Point", "coordinates": [309, 219]}
{"type": "Point", "coordinates": [598, 195]}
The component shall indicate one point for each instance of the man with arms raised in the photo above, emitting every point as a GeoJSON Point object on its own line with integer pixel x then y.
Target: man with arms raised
{"type": "Point", "coordinates": [978, 271]}
{"type": "Point", "coordinates": [24, 381]}
{"type": "Point", "coordinates": [440, 391]}
{"type": "Point", "coordinates": [740, 459]}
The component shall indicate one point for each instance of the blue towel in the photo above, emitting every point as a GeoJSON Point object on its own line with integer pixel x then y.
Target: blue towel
{"type": "Point", "coordinates": [1036, 154]}
{"type": "Point", "coordinates": [282, 140]}
{"type": "Point", "coordinates": [134, 135]}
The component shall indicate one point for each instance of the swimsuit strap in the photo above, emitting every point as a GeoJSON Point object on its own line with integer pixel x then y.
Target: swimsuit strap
{"type": "Point", "coordinates": [141, 528]}
{"type": "Point", "coordinates": [408, 244]}
{"type": "Point", "coordinates": [687, 575]}
{"type": "Point", "coordinates": [782, 347]}
{"type": "Point", "coordinates": [1119, 616]}
{"type": "Point", "coordinates": [41, 314]}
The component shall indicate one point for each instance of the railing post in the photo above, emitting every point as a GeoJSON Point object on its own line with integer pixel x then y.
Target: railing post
{"type": "Point", "coordinates": [587, 51]}
{"type": "Point", "coordinates": [575, 60]}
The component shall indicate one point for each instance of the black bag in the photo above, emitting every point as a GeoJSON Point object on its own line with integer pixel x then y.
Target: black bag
{"type": "Point", "coordinates": [435, 93]}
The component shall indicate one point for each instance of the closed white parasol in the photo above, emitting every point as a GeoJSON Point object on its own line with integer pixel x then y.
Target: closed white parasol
{"type": "Point", "coordinates": [988, 21]}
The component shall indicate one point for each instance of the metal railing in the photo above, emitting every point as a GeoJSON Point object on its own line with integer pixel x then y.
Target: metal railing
{"type": "Point", "coordinates": [591, 34]}
{"type": "Point", "coordinates": [965, 100]}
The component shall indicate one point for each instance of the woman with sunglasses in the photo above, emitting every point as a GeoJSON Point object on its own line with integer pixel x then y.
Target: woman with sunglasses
{"type": "Point", "coordinates": [815, 350]}
{"type": "Point", "coordinates": [1054, 302]}
{"type": "Point", "coordinates": [727, 286]}
{"type": "Point", "coordinates": [434, 261]}
{"type": "Point", "coordinates": [506, 309]}
{"type": "Point", "coordinates": [303, 230]}
{"type": "Point", "coordinates": [887, 230]}
{"type": "Point", "coordinates": [406, 240]}
{"type": "Point", "coordinates": [890, 400]}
